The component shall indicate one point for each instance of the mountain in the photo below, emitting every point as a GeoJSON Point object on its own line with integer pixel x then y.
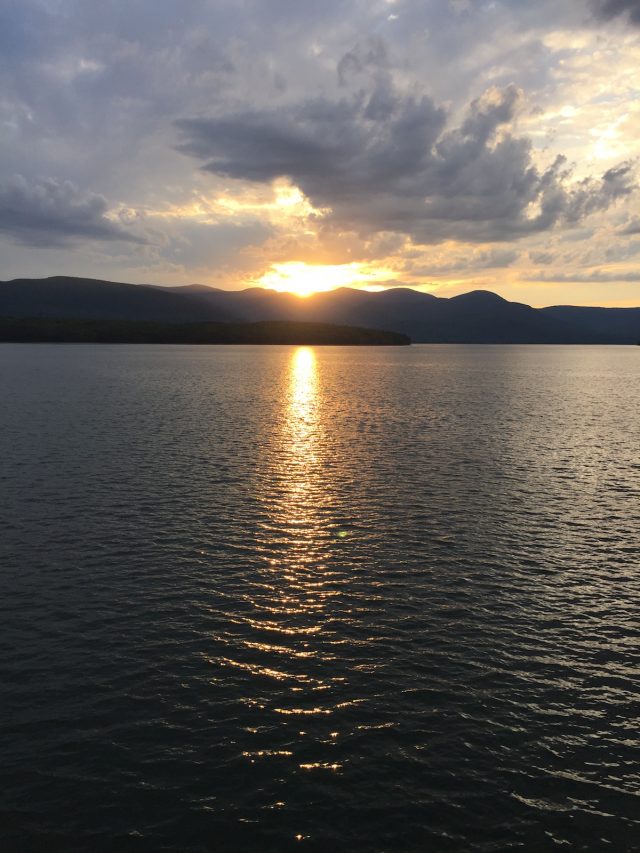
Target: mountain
{"type": "Point", "coordinates": [615, 325]}
{"type": "Point", "coordinates": [476, 317]}
{"type": "Point", "coordinates": [86, 298]}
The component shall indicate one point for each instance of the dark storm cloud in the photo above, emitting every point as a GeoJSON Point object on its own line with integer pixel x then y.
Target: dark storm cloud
{"type": "Point", "coordinates": [386, 161]}
{"type": "Point", "coordinates": [607, 9]}
{"type": "Point", "coordinates": [52, 213]}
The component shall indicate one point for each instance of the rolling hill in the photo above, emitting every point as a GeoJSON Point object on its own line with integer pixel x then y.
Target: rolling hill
{"type": "Point", "coordinates": [475, 317]}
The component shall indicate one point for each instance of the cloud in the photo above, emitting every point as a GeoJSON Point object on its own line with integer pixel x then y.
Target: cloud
{"type": "Point", "coordinates": [597, 276]}
{"type": "Point", "coordinates": [632, 227]}
{"type": "Point", "coordinates": [607, 9]}
{"type": "Point", "coordinates": [370, 54]}
{"type": "Point", "coordinates": [384, 123]}
{"type": "Point", "coordinates": [205, 246]}
{"type": "Point", "coordinates": [587, 196]}
{"type": "Point", "coordinates": [48, 212]}
{"type": "Point", "coordinates": [385, 161]}
{"type": "Point", "coordinates": [542, 257]}
{"type": "Point", "coordinates": [497, 258]}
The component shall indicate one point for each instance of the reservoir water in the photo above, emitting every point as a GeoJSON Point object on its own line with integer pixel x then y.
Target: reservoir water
{"type": "Point", "coordinates": [350, 599]}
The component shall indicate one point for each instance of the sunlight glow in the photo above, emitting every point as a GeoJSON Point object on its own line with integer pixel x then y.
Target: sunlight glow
{"type": "Point", "coordinates": [304, 279]}
{"type": "Point", "coordinates": [280, 203]}
{"type": "Point", "coordinates": [609, 142]}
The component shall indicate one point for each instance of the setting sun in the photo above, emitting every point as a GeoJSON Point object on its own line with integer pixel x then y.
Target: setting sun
{"type": "Point", "coordinates": [304, 279]}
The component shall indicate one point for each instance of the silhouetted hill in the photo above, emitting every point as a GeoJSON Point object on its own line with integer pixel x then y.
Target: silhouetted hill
{"type": "Point", "coordinates": [476, 317]}
{"type": "Point", "coordinates": [86, 298]}
{"type": "Point", "coordinates": [613, 325]}
{"type": "Point", "coordinates": [44, 330]}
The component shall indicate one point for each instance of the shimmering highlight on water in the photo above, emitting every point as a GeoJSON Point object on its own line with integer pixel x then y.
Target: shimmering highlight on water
{"type": "Point", "coordinates": [292, 598]}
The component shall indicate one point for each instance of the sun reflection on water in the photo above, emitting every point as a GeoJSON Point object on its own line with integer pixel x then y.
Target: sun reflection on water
{"type": "Point", "coordinates": [298, 498]}
{"type": "Point", "coordinates": [301, 427]}
{"type": "Point", "coordinates": [286, 642]}
{"type": "Point", "coordinates": [294, 586]}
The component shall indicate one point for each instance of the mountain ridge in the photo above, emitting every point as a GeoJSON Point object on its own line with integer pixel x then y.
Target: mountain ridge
{"type": "Point", "coordinates": [478, 316]}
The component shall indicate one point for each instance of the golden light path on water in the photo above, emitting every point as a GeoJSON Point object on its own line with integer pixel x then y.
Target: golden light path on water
{"type": "Point", "coordinates": [297, 513]}
{"type": "Point", "coordinates": [291, 646]}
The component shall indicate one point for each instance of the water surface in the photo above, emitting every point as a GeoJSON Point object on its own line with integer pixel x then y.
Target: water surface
{"type": "Point", "coordinates": [319, 599]}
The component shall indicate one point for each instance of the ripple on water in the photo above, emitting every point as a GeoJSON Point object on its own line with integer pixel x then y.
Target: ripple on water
{"type": "Point", "coordinates": [286, 598]}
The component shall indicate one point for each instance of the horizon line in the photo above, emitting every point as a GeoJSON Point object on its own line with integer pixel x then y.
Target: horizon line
{"type": "Point", "coordinates": [310, 295]}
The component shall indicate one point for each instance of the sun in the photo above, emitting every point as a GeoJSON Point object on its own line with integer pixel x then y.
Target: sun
{"type": "Point", "coordinates": [305, 279]}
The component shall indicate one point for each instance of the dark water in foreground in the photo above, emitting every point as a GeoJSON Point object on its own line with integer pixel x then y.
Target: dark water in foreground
{"type": "Point", "coordinates": [281, 599]}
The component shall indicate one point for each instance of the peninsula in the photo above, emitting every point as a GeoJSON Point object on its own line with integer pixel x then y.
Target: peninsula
{"type": "Point", "coordinates": [46, 330]}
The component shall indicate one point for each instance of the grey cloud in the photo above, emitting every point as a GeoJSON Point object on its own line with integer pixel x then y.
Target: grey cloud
{"type": "Point", "coordinates": [207, 246]}
{"type": "Point", "coordinates": [632, 227]}
{"type": "Point", "coordinates": [590, 197]}
{"type": "Point", "coordinates": [51, 213]}
{"type": "Point", "coordinates": [607, 9]}
{"type": "Point", "coordinates": [595, 277]}
{"type": "Point", "coordinates": [103, 80]}
{"type": "Point", "coordinates": [618, 253]}
{"type": "Point", "coordinates": [328, 146]}
{"type": "Point", "coordinates": [498, 258]}
{"type": "Point", "coordinates": [90, 91]}
{"type": "Point", "coordinates": [370, 54]}
{"type": "Point", "coordinates": [385, 161]}
{"type": "Point", "coordinates": [544, 258]}
{"type": "Point", "coordinates": [478, 260]}
{"type": "Point", "coordinates": [577, 235]}
{"type": "Point", "coordinates": [491, 259]}
{"type": "Point", "coordinates": [87, 88]}
{"type": "Point", "coordinates": [485, 114]}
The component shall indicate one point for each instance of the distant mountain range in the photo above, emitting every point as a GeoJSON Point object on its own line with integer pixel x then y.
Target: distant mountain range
{"type": "Point", "coordinates": [476, 317]}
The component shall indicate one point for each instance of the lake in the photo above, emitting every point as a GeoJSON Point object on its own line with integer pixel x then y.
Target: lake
{"type": "Point", "coordinates": [281, 598]}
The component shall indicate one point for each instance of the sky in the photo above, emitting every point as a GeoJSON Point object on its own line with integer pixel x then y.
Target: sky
{"type": "Point", "coordinates": [445, 145]}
